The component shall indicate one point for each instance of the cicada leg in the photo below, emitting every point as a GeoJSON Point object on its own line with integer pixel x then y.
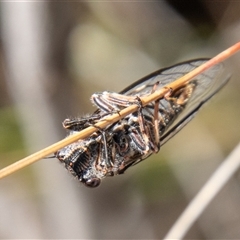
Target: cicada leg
{"type": "Point", "coordinates": [78, 124]}
{"type": "Point", "coordinates": [112, 102]}
{"type": "Point", "coordinates": [156, 126]}
{"type": "Point", "coordinates": [156, 121]}
{"type": "Point", "coordinates": [106, 157]}
{"type": "Point", "coordinates": [181, 96]}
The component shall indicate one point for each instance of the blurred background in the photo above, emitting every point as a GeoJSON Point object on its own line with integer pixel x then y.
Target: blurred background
{"type": "Point", "coordinates": [53, 56]}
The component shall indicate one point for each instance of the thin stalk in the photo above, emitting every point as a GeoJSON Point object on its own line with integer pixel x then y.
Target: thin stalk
{"type": "Point", "coordinates": [196, 207]}
{"type": "Point", "coordinates": [116, 117]}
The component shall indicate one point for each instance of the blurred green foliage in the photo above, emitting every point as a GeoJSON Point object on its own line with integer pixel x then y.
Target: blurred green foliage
{"type": "Point", "coordinates": [11, 141]}
{"type": "Point", "coordinates": [155, 180]}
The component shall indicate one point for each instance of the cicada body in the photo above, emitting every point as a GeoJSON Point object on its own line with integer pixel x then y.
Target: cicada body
{"type": "Point", "coordinates": [112, 150]}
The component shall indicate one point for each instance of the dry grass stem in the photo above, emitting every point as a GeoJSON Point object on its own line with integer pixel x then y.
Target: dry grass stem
{"type": "Point", "coordinates": [195, 208]}
{"type": "Point", "coordinates": [115, 117]}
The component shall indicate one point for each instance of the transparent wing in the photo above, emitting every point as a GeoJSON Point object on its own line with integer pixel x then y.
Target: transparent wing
{"type": "Point", "coordinates": [208, 83]}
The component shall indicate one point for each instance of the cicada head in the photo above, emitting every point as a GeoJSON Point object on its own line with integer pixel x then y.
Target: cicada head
{"type": "Point", "coordinates": [104, 154]}
{"type": "Point", "coordinates": [80, 160]}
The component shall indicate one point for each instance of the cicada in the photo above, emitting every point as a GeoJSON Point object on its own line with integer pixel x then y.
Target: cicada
{"type": "Point", "coordinates": [123, 144]}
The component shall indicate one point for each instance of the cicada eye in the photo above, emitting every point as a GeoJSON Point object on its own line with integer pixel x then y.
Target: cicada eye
{"type": "Point", "coordinates": [93, 182]}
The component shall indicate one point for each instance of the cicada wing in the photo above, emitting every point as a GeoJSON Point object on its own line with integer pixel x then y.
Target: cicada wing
{"type": "Point", "coordinates": [207, 84]}
{"type": "Point", "coordinates": [164, 76]}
